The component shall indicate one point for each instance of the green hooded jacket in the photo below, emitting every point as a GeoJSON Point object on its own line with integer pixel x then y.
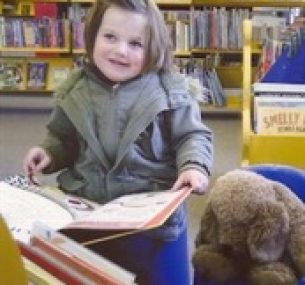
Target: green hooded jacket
{"type": "Point", "coordinates": [105, 145]}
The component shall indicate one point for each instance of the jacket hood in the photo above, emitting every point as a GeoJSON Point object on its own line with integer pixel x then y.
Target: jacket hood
{"type": "Point", "coordinates": [174, 83]}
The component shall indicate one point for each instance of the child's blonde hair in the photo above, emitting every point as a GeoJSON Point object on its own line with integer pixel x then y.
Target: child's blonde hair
{"type": "Point", "coordinates": [158, 47]}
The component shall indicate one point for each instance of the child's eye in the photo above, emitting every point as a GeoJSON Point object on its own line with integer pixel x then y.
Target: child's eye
{"type": "Point", "coordinates": [109, 36]}
{"type": "Point", "coordinates": [136, 44]}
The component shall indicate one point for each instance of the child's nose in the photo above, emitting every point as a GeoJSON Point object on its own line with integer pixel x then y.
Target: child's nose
{"type": "Point", "coordinates": [122, 48]}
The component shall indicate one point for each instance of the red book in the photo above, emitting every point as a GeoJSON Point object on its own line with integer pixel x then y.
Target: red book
{"type": "Point", "coordinates": [97, 275]}
{"type": "Point", "coordinates": [58, 269]}
{"type": "Point", "coordinates": [45, 9]}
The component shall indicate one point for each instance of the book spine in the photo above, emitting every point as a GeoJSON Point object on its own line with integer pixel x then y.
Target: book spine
{"type": "Point", "coordinates": [46, 263]}
{"type": "Point", "coordinates": [74, 262]}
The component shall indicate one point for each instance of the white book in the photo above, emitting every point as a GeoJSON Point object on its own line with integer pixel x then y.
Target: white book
{"type": "Point", "coordinates": [123, 215]}
{"type": "Point", "coordinates": [266, 87]}
{"type": "Point", "coordinates": [20, 208]}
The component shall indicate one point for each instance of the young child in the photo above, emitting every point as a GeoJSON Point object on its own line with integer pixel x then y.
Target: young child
{"type": "Point", "coordinates": [125, 123]}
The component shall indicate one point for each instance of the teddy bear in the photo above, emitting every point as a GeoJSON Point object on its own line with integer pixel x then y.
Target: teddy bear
{"type": "Point", "coordinates": [252, 230]}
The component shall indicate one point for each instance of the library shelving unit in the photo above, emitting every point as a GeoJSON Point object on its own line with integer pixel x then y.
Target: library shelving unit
{"type": "Point", "coordinates": [230, 69]}
{"type": "Point", "coordinates": [59, 60]}
{"type": "Point", "coordinates": [284, 149]}
{"type": "Point", "coordinates": [28, 67]}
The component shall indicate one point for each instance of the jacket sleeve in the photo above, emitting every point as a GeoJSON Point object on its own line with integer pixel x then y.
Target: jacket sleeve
{"type": "Point", "coordinates": [61, 141]}
{"type": "Point", "coordinates": [192, 140]}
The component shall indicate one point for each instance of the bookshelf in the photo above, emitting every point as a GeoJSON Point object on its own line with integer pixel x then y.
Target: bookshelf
{"type": "Point", "coordinates": [32, 34]}
{"type": "Point", "coordinates": [227, 50]}
{"type": "Point", "coordinates": [265, 148]}
{"type": "Point", "coordinates": [229, 74]}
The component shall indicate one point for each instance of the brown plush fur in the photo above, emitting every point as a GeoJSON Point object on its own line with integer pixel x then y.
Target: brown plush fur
{"type": "Point", "coordinates": [249, 227]}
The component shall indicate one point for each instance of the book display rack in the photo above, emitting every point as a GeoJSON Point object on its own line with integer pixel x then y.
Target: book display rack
{"type": "Point", "coordinates": [285, 141]}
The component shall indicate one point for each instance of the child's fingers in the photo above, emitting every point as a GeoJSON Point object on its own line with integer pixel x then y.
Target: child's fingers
{"type": "Point", "coordinates": [33, 179]}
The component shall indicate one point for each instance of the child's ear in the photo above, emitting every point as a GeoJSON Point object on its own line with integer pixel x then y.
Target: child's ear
{"type": "Point", "coordinates": [268, 233]}
{"type": "Point", "coordinates": [208, 229]}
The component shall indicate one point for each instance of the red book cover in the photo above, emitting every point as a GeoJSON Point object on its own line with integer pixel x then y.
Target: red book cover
{"type": "Point", "coordinates": [96, 274]}
{"type": "Point", "coordinates": [49, 10]}
{"type": "Point", "coordinates": [45, 9]}
{"type": "Point", "coordinates": [57, 269]}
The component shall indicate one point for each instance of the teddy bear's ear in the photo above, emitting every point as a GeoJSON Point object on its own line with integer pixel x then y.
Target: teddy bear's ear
{"type": "Point", "coordinates": [268, 233]}
{"type": "Point", "coordinates": [208, 228]}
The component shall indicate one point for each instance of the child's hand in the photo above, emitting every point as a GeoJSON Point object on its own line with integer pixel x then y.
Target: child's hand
{"type": "Point", "coordinates": [194, 179]}
{"type": "Point", "coordinates": [35, 161]}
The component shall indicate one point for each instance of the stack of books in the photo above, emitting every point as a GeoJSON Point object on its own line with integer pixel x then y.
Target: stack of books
{"type": "Point", "coordinates": [279, 108]}
{"type": "Point", "coordinates": [53, 258]}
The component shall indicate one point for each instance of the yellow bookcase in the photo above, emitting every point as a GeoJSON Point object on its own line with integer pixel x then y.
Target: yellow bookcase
{"type": "Point", "coordinates": [257, 148]}
{"type": "Point", "coordinates": [261, 148]}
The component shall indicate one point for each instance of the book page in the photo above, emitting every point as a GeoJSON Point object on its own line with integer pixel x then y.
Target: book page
{"type": "Point", "coordinates": [139, 211]}
{"type": "Point", "coordinates": [20, 208]}
{"type": "Point", "coordinates": [134, 211]}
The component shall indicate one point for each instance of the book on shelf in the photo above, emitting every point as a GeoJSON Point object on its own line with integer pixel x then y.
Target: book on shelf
{"type": "Point", "coordinates": [58, 74]}
{"type": "Point", "coordinates": [29, 36]}
{"type": "Point", "coordinates": [278, 108]}
{"type": "Point", "coordinates": [217, 28]}
{"type": "Point", "coordinates": [12, 75]}
{"type": "Point", "coordinates": [124, 215]}
{"type": "Point", "coordinates": [279, 115]}
{"type": "Point", "coordinates": [278, 89]}
{"type": "Point", "coordinates": [37, 75]}
{"type": "Point", "coordinates": [77, 15]}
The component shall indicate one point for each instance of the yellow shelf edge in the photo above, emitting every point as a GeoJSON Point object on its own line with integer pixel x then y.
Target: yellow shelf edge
{"type": "Point", "coordinates": [255, 3]}
{"type": "Point", "coordinates": [174, 3]}
{"type": "Point", "coordinates": [82, 1]}
{"type": "Point", "coordinates": [33, 49]}
{"type": "Point", "coordinates": [223, 51]}
{"type": "Point", "coordinates": [52, 1]}
{"type": "Point", "coordinates": [78, 51]}
{"type": "Point", "coordinates": [182, 53]}
{"type": "Point", "coordinates": [216, 109]}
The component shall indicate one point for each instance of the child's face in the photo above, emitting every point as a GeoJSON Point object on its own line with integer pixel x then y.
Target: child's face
{"type": "Point", "coordinates": [119, 51]}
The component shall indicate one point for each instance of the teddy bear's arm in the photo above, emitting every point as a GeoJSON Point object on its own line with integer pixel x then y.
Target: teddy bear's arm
{"type": "Point", "coordinates": [268, 233]}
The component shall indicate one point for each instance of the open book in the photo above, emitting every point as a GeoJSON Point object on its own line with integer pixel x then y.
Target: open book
{"type": "Point", "coordinates": [129, 213]}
